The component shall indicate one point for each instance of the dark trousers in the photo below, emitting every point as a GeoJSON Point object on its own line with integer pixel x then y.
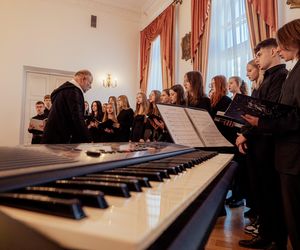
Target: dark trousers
{"type": "Point", "coordinates": [290, 186]}
{"type": "Point", "coordinates": [265, 189]}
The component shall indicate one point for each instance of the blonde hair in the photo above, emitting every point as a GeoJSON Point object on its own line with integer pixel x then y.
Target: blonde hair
{"type": "Point", "coordinates": [144, 105]}
{"type": "Point", "coordinates": [105, 117]}
{"type": "Point", "coordinates": [124, 101]}
{"type": "Point", "coordinates": [256, 83]}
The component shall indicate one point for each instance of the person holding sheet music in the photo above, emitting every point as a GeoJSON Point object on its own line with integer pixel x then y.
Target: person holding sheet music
{"type": "Point", "coordinates": [219, 99]}
{"type": "Point", "coordinates": [94, 119]}
{"type": "Point", "coordinates": [154, 124]}
{"type": "Point", "coordinates": [37, 133]}
{"type": "Point", "coordinates": [260, 155]}
{"type": "Point", "coordinates": [108, 128]}
{"type": "Point", "coordinates": [286, 130]}
{"type": "Point", "coordinates": [140, 118]}
{"type": "Point", "coordinates": [177, 95]}
{"type": "Point", "coordinates": [193, 83]}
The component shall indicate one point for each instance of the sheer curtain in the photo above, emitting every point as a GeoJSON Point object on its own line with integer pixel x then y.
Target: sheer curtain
{"type": "Point", "coordinates": [155, 72]}
{"type": "Point", "coordinates": [229, 48]}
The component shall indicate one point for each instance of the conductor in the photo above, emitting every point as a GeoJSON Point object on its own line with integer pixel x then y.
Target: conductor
{"type": "Point", "coordinates": [66, 118]}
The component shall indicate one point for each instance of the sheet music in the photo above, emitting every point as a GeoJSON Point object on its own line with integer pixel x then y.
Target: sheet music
{"type": "Point", "coordinates": [207, 129]}
{"type": "Point", "coordinates": [179, 126]}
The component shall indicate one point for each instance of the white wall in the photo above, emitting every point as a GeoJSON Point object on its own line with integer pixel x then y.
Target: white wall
{"type": "Point", "coordinates": [184, 27]}
{"type": "Point", "coordinates": [285, 14]}
{"type": "Point", "coordinates": [56, 34]}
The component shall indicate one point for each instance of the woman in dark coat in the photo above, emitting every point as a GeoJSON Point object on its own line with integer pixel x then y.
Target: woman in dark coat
{"type": "Point", "coordinates": [125, 119]}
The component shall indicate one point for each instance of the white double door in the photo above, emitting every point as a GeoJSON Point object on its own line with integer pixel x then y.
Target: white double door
{"type": "Point", "coordinates": [37, 86]}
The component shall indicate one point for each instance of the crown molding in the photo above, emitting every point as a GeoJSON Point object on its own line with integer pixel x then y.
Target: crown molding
{"type": "Point", "coordinates": [152, 9]}
{"type": "Point", "coordinates": [107, 8]}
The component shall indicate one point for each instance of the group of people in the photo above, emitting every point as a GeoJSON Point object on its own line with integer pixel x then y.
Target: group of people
{"type": "Point", "coordinates": [271, 147]}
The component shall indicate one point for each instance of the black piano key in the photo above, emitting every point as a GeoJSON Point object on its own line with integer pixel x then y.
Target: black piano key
{"type": "Point", "coordinates": [133, 185]}
{"type": "Point", "coordinates": [179, 167]}
{"type": "Point", "coordinates": [163, 172]}
{"type": "Point", "coordinates": [185, 164]}
{"type": "Point", "coordinates": [115, 189]}
{"type": "Point", "coordinates": [143, 181]}
{"type": "Point", "coordinates": [70, 208]}
{"type": "Point", "coordinates": [153, 176]}
{"type": "Point", "coordinates": [170, 170]}
{"type": "Point", "coordinates": [89, 198]}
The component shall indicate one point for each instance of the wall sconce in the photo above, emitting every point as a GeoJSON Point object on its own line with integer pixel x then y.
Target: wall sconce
{"type": "Point", "coordinates": [109, 82]}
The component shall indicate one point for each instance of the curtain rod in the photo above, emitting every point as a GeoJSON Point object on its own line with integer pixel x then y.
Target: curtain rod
{"type": "Point", "coordinates": [177, 2]}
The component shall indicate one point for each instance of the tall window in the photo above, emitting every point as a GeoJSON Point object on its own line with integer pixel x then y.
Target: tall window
{"type": "Point", "coordinates": [229, 47]}
{"type": "Point", "coordinates": [155, 74]}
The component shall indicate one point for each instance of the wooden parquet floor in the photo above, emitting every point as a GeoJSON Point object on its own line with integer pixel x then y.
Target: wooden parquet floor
{"type": "Point", "coordinates": [229, 230]}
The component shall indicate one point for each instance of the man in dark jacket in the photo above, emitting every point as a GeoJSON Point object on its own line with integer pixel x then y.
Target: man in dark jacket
{"type": "Point", "coordinates": [66, 118]}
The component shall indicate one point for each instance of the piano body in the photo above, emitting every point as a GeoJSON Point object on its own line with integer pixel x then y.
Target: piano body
{"type": "Point", "coordinates": [178, 211]}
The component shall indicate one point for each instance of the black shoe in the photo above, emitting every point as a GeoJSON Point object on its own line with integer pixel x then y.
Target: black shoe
{"type": "Point", "coordinates": [274, 246]}
{"type": "Point", "coordinates": [250, 214]}
{"type": "Point", "coordinates": [236, 203]}
{"type": "Point", "coordinates": [229, 200]}
{"type": "Point", "coordinates": [255, 243]}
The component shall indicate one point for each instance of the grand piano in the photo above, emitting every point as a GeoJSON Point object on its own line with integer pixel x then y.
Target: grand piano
{"type": "Point", "coordinates": [110, 196]}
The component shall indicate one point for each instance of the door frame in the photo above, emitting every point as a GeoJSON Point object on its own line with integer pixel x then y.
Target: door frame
{"type": "Point", "coordinates": [32, 69]}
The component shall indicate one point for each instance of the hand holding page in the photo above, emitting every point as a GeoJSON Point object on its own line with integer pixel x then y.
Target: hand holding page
{"type": "Point", "coordinates": [37, 124]}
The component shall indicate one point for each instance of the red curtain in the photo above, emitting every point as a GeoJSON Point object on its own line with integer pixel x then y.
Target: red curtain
{"type": "Point", "coordinates": [200, 34]}
{"type": "Point", "coordinates": [262, 18]}
{"type": "Point", "coordinates": [163, 26]}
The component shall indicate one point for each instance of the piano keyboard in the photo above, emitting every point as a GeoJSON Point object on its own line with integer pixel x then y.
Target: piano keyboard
{"type": "Point", "coordinates": [112, 218]}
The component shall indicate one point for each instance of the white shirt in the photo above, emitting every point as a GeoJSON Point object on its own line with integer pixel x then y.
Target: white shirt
{"type": "Point", "coordinates": [77, 85]}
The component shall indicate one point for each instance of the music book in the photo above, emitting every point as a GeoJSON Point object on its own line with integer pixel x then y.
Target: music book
{"type": "Point", "coordinates": [191, 127]}
{"type": "Point", "coordinates": [38, 124]}
{"type": "Point", "coordinates": [243, 104]}
{"type": "Point", "coordinates": [221, 117]}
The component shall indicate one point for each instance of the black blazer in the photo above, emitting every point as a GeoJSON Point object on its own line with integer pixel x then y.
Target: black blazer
{"type": "Point", "coordinates": [286, 129]}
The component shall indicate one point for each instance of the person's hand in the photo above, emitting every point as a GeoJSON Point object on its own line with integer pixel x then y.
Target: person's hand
{"type": "Point", "coordinates": [30, 126]}
{"type": "Point", "coordinates": [116, 125]}
{"type": "Point", "coordinates": [229, 123]}
{"type": "Point", "coordinates": [240, 139]}
{"type": "Point", "coordinates": [155, 126]}
{"type": "Point", "coordinates": [252, 120]}
{"type": "Point", "coordinates": [160, 124]}
{"type": "Point", "coordinates": [242, 148]}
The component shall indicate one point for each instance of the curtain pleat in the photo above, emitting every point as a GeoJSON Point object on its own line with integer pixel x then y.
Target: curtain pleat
{"type": "Point", "coordinates": [163, 26]}
{"type": "Point", "coordinates": [201, 12]}
{"type": "Point", "coordinates": [262, 18]}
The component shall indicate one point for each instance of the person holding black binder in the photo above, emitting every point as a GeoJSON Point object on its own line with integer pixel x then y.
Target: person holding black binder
{"type": "Point", "coordinates": [286, 130]}
{"type": "Point", "coordinates": [260, 155]}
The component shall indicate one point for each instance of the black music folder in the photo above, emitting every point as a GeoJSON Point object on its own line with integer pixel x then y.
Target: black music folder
{"type": "Point", "coordinates": [243, 104]}
{"type": "Point", "coordinates": [192, 127]}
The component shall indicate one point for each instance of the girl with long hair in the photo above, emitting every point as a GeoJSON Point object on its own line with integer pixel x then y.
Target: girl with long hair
{"type": "Point", "coordinates": [125, 118]}
{"type": "Point", "coordinates": [140, 118]}
{"type": "Point", "coordinates": [177, 95]}
{"type": "Point", "coordinates": [193, 83]}
{"type": "Point", "coordinates": [219, 99]}
{"type": "Point", "coordinates": [109, 127]}
{"type": "Point", "coordinates": [255, 75]}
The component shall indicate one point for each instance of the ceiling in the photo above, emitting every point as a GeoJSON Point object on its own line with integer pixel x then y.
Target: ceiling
{"type": "Point", "coordinates": [133, 5]}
